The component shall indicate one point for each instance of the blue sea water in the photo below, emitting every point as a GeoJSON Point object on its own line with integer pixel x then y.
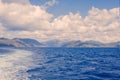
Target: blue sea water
{"type": "Point", "coordinates": [60, 64]}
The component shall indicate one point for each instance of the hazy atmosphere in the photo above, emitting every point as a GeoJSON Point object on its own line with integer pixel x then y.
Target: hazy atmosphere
{"type": "Point", "coordinates": [59, 39]}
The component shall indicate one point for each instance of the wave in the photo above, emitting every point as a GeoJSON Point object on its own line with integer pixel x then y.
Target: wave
{"type": "Point", "coordinates": [13, 65]}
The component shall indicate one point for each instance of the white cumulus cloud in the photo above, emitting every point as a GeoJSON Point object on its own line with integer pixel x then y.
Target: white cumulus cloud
{"type": "Point", "coordinates": [16, 16]}
{"type": "Point", "coordinates": [26, 20]}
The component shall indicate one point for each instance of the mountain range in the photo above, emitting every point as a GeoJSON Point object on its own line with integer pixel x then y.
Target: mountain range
{"type": "Point", "coordinates": [27, 42]}
{"type": "Point", "coordinates": [90, 44]}
{"type": "Point", "coordinates": [19, 42]}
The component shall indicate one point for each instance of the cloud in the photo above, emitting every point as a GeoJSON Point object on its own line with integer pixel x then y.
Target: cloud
{"type": "Point", "coordinates": [48, 4]}
{"type": "Point", "coordinates": [16, 1]}
{"type": "Point", "coordinates": [103, 24]}
{"type": "Point", "coordinates": [70, 23]}
{"type": "Point", "coordinates": [18, 16]}
{"type": "Point", "coordinates": [2, 30]}
{"type": "Point", "coordinates": [100, 25]}
{"type": "Point", "coordinates": [23, 20]}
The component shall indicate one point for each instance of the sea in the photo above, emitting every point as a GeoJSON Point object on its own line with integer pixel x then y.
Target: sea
{"type": "Point", "coordinates": [59, 63]}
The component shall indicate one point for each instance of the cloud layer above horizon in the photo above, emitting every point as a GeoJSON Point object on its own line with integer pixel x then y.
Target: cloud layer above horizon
{"type": "Point", "coordinates": [19, 18]}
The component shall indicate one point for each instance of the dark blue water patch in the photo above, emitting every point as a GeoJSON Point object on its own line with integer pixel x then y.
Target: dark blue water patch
{"type": "Point", "coordinates": [36, 69]}
{"type": "Point", "coordinates": [108, 75]}
{"type": "Point", "coordinates": [76, 64]}
{"type": "Point", "coordinates": [5, 50]}
{"type": "Point", "coordinates": [91, 78]}
{"type": "Point", "coordinates": [6, 45]}
{"type": "Point", "coordinates": [51, 61]}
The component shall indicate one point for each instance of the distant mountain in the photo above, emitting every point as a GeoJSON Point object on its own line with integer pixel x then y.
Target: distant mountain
{"type": "Point", "coordinates": [4, 42]}
{"type": "Point", "coordinates": [83, 44]}
{"type": "Point", "coordinates": [114, 44]}
{"type": "Point", "coordinates": [27, 42]}
{"type": "Point", "coordinates": [54, 43]}
{"type": "Point", "coordinates": [90, 44]}
{"type": "Point", "coordinates": [72, 44]}
{"type": "Point", "coordinates": [19, 42]}
{"type": "Point", "coordinates": [78, 43]}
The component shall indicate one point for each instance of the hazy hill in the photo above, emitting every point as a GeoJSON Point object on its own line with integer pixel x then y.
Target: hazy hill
{"type": "Point", "coordinates": [90, 44]}
{"type": "Point", "coordinates": [27, 42]}
{"type": "Point", "coordinates": [19, 42]}
{"type": "Point", "coordinates": [54, 43]}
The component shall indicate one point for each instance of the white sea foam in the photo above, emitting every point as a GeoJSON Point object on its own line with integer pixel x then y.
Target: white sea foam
{"type": "Point", "coordinates": [13, 66]}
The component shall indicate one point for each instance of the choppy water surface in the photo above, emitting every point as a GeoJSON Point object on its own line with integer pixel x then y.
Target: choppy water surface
{"type": "Point", "coordinates": [60, 64]}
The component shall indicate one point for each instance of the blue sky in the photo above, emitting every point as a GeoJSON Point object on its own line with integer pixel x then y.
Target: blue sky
{"type": "Point", "coordinates": [63, 7]}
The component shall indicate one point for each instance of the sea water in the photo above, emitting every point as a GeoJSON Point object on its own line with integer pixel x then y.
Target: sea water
{"type": "Point", "coordinates": [60, 64]}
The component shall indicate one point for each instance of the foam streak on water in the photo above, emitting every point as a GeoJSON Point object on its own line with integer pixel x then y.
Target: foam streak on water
{"type": "Point", "coordinates": [13, 65]}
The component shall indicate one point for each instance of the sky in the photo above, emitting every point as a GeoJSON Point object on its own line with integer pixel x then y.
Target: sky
{"type": "Point", "coordinates": [60, 19]}
{"type": "Point", "coordinates": [63, 7]}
